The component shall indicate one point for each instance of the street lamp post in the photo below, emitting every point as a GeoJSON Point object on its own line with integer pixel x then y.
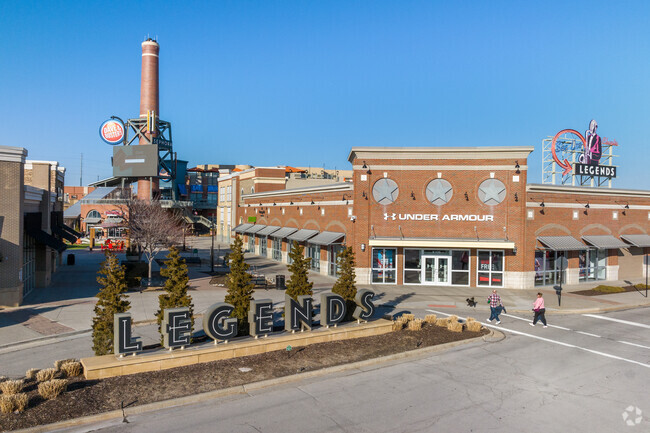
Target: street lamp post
{"type": "Point", "coordinates": [212, 250]}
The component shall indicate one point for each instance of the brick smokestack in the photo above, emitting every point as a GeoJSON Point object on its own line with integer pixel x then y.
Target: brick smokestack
{"type": "Point", "coordinates": [149, 102]}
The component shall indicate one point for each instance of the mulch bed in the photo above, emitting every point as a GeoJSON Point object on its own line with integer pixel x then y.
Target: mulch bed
{"type": "Point", "coordinates": [96, 396]}
{"type": "Point", "coordinates": [591, 292]}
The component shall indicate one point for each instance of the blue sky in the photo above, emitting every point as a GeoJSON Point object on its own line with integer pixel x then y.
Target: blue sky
{"type": "Point", "coordinates": [301, 82]}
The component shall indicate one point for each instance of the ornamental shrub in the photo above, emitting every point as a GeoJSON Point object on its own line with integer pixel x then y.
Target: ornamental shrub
{"type": "Point", "coordinates": [240, 288]}
{"type": "Point", "coordinates": [176, 287]}
{"type": "Point", "coordinates": [299, 284]}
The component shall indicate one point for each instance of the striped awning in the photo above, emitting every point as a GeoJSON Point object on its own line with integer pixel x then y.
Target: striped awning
{"type": "Point", "coordinates": [605, 242]}
{"type": "Point", "coordinates": [241, 227]}
{"type": "Point", "coordinates": [302, 235]}
{"type": "Point", "coordinates": [562, 243]}
{"type": "Point", "coordinates": [284, 232]}
{"type": "Point", "coordinates": [327, 238]}
{"type": "Point", "coordinates": [637, 240]}
{"type": "Point", "coordinates": [254, 229]}
{"type": "Point", "coordinates": [268, 230]}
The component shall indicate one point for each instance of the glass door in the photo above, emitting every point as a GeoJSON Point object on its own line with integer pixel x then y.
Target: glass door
{"type": "Point", "coordinates": [436, 270]}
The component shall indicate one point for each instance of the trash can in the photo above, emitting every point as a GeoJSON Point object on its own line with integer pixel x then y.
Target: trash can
{"type": "Point", "coordinates": [279, 282]}
{"type": "Point", "coordinates": [70, 259]}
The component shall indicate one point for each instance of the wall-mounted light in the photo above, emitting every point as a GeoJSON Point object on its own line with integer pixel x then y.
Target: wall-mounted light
{"type": "Point", "coordinates": [312, 202]}
{"type": "Point", "coordinates": [412, 195]}
{"type": "Point", "coordinates": [273, 203]}
{"type": "Point", "coordinates": [364, 165]}
{"type": "Point", "coordinates": [260, 203]}
{"type": "Point", "coordinates": [466, 196]}
{"type": "Point", "coordinates": [542, 204]}
{"type": "Point", "coordinates": [587, 205]}
{"type": "Point", "coordinates": [291, 202]}
{"type": "Point", "coordinates": [516, 197]}
{"type": "Point", "coordinates": [363, 247]}
{"type": "Point", "coordinates": [517, 167]}
{"type": "Point", "coordinates": [364, 195]}
{"type": "Point", "coordinates": [627, 206]}
{"type": "Point", "coordinates": [514, 251]}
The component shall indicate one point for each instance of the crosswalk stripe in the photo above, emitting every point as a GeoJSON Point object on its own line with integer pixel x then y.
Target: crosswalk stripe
{"type": "Point", "coordinates": [634, 344]}
{"type": "Point", "coordinates": [587, 333]}
{"type": "Point", "coordinates": [626, 322]}
{"type": "Point", "coordinates": [528, 320]}
{"type": "Point", "coordinates": [560, 343]}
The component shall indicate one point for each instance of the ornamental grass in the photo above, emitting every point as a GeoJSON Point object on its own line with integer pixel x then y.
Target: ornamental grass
{"type": "Point", "coordinates": [52, 388]}
{"type": "Point", "coordinates": [13, 403]}
{"type": "Point", "coordinates": [72, 369]}
{"type": "Point", "coordinates": [474, 326]}
{"type": "Point", "coordinates": [455, 327]}
{"type": "Point", "coordinates": [430, 318]}
{"type": "Point", "coordinates": [442, 322]}
{"type": "Point", "coordinates": [453, 318]}
{"type": "Point", "coordinates": [408, 316]}
{"type": "Point", "coordinates": [46, 374]}
{"type": "Point", "coordinates": [60, 362]}
{"type": "Point", "coordinates": [415, 325]}
{"type": "Point", "coordinates": [10, 387]}
{"type": "Point", "coordinates": [31, 373]}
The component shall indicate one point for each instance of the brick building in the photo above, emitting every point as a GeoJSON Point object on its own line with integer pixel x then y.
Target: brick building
{"type": "Point", "coordinates": [454, 217]}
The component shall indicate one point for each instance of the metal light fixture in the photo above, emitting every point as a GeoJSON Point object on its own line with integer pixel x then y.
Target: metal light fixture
{"type": "Point", "coordinates": [412, 195]}
{"type": "Point", "coordinates": [587, 205]}
{"type": "Point", "coordinates": [517, 167]}
{"type": "Point", "coordinates": [516, 197]}
{"type": "Point", "coordinates": [363, 247]}
{"type": "Point", "coordinates": [312, 202]}
{"type": "Point", "coordinates": [542, 203]}
{"type": "Point", "coordinates": [291, 202]}
{"type": "Point", "coordinates": [273, 203]}
{"type": "Point", "coordinates": [466, 196]}
{"type": "Point", "coordinates": [364, 165]}
{"type": "Point", "coordinates": [364, 195]}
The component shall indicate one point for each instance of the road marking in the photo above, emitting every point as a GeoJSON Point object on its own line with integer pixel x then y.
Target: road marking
{"type": "Point", "coordinates": [442, 306]}
{"type": "Point", "coordinates": [528, 320]}
{"type": "Point", "coordinates": [559, 343]}
{"type": "Point", "coordinates": [634, 344]}
{"type": "Point", "coordinates": [626, 322]}
{"type": "Point", "coordinates": [586, 333]}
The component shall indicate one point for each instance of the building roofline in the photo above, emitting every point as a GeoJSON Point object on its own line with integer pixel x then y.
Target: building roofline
{"type": "Point", "coordinates": [563, 189]}
{"type": "Point", "coordinates": [344, 186]}
{"type": "Point", "coordinates": [13, 154]}
{"type": "Point", "coordinates": [494, 152]}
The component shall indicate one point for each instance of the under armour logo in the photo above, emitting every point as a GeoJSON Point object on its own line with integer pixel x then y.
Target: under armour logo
{"type": "Point", "coordinates": [386, 216]}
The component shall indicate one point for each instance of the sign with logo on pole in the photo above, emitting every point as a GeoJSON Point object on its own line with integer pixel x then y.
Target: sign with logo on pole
{"type": "Point", "coordinates": [112, 131]}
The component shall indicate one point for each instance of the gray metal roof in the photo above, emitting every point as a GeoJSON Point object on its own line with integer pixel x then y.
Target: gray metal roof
{"type": "Point", "coordinates": [605, 242]}
{"type": "Point", "coordinates": [74, 211]}
{"type": "Point", "coordinates": [241, 227]}
{"type": "Point", "coordinates": [254, 229]}
{"type": "Point", "coordinates": [637, 240]}
{"type": "Point", "coordinates": [302, 235]}
{"type": "Point", "coordinates": [326, 238]}
{"type": "Point", "coordinates": [268, 230]}
{"type": "Point", "coordinates": [284, 232]}
{"type": "Point", "coordinates": [562, 243]}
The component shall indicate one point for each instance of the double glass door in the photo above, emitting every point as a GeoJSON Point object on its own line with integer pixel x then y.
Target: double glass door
{"type": "Point", "coordinates": [435, 270]}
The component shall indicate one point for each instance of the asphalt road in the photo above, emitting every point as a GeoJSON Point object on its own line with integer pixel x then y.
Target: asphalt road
{"type": "Point", "coordinates": [582, 373]}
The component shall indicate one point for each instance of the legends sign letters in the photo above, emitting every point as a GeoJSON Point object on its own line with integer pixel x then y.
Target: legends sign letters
{"type": "Point", "coordinates": [219, 326]}
{"type": "Point", "coordinates": [595, 170]}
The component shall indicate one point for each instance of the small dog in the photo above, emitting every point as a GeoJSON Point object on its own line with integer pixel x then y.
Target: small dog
{"type": "Point", "coordinates": [471, 302]}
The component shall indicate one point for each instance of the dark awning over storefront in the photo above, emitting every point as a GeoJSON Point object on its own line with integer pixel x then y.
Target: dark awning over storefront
{"type": "Point", "coordinates": [241, 227]}
{"type": "Point", "coordinates": [605, 242]}
{"type": "Point", "coordinates": [302, 235]}
{"type": "Point", "coordinates": [284, 232]}
{"type": "Point", "coordinates": [562, 243]}
{"type": "Point", "coordinates": [268, 230]}
{"type": "Point", "coordinates": [64, 234]}
{"type": "Point", "coordinates": [327, 238]}
{"type": "Point", "coordinates": [45, 238]}
{"type": "Point", "coordinates": [254, 229]}
{"type": "Point", "coordinates": [72, 231]}
{"type": "Point", "coordinates": [637, 240]}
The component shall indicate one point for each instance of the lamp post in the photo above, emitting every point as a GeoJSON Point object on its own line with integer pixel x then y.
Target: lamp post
{"type": "Point", "coordinates": [212, 250]}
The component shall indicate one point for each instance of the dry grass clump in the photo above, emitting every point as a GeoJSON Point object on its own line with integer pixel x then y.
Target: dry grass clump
{"type": "Point", "coordinates": [10, 387]}
{"type": "Point", "coordinates": [455, 327]}
{"type": "Point", "coordinates": [473, 326]}
{"type": "Point", "coordinates": [442, 322]}
{"type": "Point", "coordinates": [3, 378]}
{"type": "Point", "coordinates": [415, 325]}
{"type": "Point", "coordinates": [470, 319]}
{"type": "Point", "coordinates": [6, 404]}
{"type": "Point", "coordinates": [52, 388]}
{"type": "Point", "coordinates": [453, 318]}
{"type": "Point", "coordinates": [72, 369]}
{"type": "Point", "coordinates": [31, 373]}
{"type": "Point", "coordinates": [46, 374]}
{"type": "Point", "coordinates": [60, 362]}
{"type": "Point", "coordinates": [408, 316]}
{"type": "Point", "coordinates": [13, 403]}
{"type": "Point", "coordinates": [399, 324]}
{"type": "Point", "coordinates": [430, 318]}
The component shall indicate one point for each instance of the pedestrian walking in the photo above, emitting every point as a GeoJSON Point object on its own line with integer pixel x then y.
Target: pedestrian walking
{"type": "Point", "coordinates": [495, 306]}
{"type": "Point", "coordinates": [538, 308]}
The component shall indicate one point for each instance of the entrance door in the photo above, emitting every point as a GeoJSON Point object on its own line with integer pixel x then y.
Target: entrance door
{"type": "Point", "coordinates": [436, 270]}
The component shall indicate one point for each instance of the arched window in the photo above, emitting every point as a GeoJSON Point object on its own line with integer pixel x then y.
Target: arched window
{"type": "Point", "coordinates": [252, 190]}
{"type": "Point", "coordinates": [94, 214]}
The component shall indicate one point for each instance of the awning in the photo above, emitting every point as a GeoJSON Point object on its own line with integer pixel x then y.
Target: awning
{"type": "Point", "coordinates": [302, 235]}
{"type": "Point", "coordinates": [72, 231]}
{"type": "Point", "coordinates": [441, 243]}
{"type": "Point", "coordinates": [268, 230]}
{"type": "Point", "coordinates": [254, 229]}
{"type": "Point", "coordinates": [327, 238]}
{"type": "Point", "coordinates": [637, 240]}
{"type": "Point", "coordinates": [241, 227]}
{"type": "Point", "coordinates": [64, 234]}
{"type": "Point", "coordinates": [605, 242]}
{"type": "Point", "coordinates": [284, 232]}
{"type": "Point", "coordinates": [562, 243]}
{"type": "Point", "coordinates": [45, 238]}
{"type": "Point", "coordinates": [92, 220]}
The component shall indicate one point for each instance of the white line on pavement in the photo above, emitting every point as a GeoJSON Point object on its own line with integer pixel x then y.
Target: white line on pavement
{"type": "Point", "coordinates": [587, 333]}
{"type": "Point", "coordinates": [634, 344]}
{"type": "Point", "coordinates": [528, 320]}
{"type": "Point", "coordinates": [627, 322]}
{"type": "Point", "coordinates": [560, 343]}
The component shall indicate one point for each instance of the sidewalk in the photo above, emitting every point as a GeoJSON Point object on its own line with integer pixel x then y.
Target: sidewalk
{"type": "Point", "coordinates": [66, 306]}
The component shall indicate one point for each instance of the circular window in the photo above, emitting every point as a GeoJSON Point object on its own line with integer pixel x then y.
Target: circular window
{"type": "Point", "coordinates": [439, 192]}
{"type": "Point", "coordinates": [492, 191]}
{"type": "Point", "coordinates": [385, 191]}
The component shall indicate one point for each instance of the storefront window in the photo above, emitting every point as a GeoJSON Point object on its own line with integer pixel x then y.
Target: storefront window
{"type": "Point", "coordinates": [384, 265]}
{"type": "Point", "coordinates": [490, 268]}
{"type": "Point", "coordinates": [412, 266]}
{"type": "Point", "coordinates": [313, 252]}
{"type": "Point", "coordinates": [549, 267]}
{"type": "Point", "coordinates": [276, 252]}
{"type": "Point", "coordinates": [334, 266]}
{"type": "Point", "coordinates": [251, 244]}
{"type": "Point", "coordinates": [263, 243]}
{"type": "Point", "coordinates": [592, 265]}
{"type": "Point", "coordinates": [460, 267]}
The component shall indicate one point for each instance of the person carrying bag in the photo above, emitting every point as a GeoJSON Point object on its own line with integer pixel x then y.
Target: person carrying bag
{"type": "Point", "coordinates": [538, 308]}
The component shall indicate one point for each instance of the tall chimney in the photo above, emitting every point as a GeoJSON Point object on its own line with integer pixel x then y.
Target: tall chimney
{"type": "Point", "coordinates": [149, 102]}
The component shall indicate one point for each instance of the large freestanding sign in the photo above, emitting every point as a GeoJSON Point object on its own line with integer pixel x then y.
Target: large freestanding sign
{"type": "Point", "coordinates": [219, 326]}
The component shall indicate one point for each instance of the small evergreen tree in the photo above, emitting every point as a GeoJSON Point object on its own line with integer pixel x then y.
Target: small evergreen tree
{"type": "Point", "coordinates": [176, 286]}
{"type": "Point", "coordinates": [298, 284]}
{"type": "Point", "coordinates": [344, 285]}
{"type": "Point", "coordinates": [240, 288]}
{"type": "Point", "coordinates": [110, 301]}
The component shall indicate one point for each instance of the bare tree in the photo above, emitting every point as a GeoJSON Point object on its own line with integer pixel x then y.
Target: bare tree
{"type": "Point", "coordinates": [152, 228]}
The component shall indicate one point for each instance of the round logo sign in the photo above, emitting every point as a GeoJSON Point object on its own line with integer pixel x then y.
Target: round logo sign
{"type": "Point", "coordinates": [112, 132]}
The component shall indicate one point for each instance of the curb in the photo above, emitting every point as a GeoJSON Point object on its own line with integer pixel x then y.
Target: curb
{"type": "Point", "coordinates": [244, 389]}
{"type": "Point", "coordinates": [45, 338]}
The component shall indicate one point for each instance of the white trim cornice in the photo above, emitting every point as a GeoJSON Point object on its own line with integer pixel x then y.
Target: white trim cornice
{"type": "Point", "coordinates": [487, 152]}
{"type": "Point", "coordinates": [561, 189]}
{"type": "Point", "coordinates": [13, 154]}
